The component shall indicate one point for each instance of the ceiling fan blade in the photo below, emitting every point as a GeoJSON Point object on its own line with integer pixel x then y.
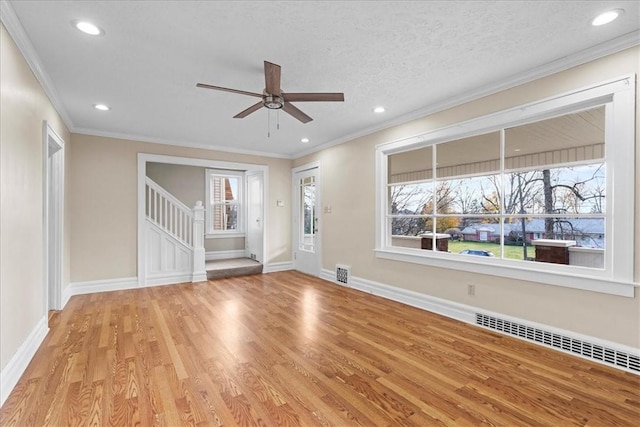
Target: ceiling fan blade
{"type": "Point", "coordinates": [245, 113]}
{"type": "Point", "coordinates": [224, 89]}
{"type": "Point", "coordinates": [272, 78]}
{"type": "Point", "coordinates": [295, 112]}
{"type": "Point", "coordinates": [311, 97]}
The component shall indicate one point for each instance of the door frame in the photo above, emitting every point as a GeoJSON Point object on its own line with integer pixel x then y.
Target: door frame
{"type": "Point", "coordinates": [53, 171]}
{"type": "Point", "coordinates": [247, 175]}
{"type": "Point", "coordinates": [295, 213]}
{"type": "Point", "coordinates": [143, 158]}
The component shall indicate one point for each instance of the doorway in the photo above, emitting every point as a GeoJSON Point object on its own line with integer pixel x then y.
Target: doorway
{"type": "Point", "coordinates": [53, 214]}
{"type": "Point", "coordinates": [255, 216]}
{"type": "Point", "coordinates": [255, 237]}
{"type": "Point", "coordinates": [307, 242]}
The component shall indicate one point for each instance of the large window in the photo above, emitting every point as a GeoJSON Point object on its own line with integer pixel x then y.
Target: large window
{"type": "Point", "coordinates": [224, 202]}
{"type": "Point", "coordinates": [526, 189]}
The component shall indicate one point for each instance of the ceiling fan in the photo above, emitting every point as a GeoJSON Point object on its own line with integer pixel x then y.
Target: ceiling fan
{"type": "Point", "coordinates": [274, 98]}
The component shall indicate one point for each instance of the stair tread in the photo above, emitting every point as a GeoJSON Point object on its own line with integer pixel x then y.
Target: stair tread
{"type": "Point", "coordinates": [230, 263]}
{"type": "Point", "coordinates": [232, 267]}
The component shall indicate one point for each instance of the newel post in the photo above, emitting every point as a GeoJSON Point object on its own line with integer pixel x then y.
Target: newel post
{"type": "Point", "coordinates": [199, 272]}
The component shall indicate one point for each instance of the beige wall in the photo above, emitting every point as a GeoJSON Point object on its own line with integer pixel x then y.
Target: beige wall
{"type": "Point", "coordinates": [187, 184]}
{"type": "Point", "coordinates": [103, 203]}
{"type": "Point", "coordinates": [348, 186]}
{"type": "Point", "coordinates": [23, 107]}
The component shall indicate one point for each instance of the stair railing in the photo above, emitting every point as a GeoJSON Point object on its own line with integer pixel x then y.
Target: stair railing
{"type": "Point", "coordinates": [169, 213]}
{"type": "Point", "coordinates": [179, 221]}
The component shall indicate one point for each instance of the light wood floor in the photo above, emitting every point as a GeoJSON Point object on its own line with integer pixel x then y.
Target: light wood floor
{"type": "Point", "coordinates": [287, 349]}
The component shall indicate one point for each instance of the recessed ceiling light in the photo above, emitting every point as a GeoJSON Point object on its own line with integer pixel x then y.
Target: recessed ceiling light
{"type": "Point", "coordinates": [379, 110]}
{"type": "Point", "coordinates": [88, 28]}
{"type": "Point", "coordinates": [606, 17]}
{"type": "Point", "coordinates": [516, 149]}
{"type": "Point", "coordinates": [101, 107]}
{"type": "Point", "coordinates": [305, 140]}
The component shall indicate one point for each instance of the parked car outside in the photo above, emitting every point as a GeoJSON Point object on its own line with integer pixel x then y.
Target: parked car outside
{"type": "Point", "coordinates": [476, 252]}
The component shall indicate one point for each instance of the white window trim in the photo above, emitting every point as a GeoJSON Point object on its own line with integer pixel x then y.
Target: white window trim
{"type": "Point", "coordinates": [225, 234]}
{"type": "Point", "coordinates": [617, 277]}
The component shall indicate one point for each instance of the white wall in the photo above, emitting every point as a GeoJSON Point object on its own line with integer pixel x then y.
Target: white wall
{"type": "Point", "coordinates": [23, 107]}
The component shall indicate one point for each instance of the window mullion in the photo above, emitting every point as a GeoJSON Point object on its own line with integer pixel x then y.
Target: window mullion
{"type": "Point", "coordinates": [502, 191]}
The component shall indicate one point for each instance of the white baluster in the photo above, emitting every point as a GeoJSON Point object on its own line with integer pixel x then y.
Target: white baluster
{"type": "Point", "coordinates": [172, 228]}
{"type": "Point", "coordinates": [155, 206]}
{"type": "Point", "coordinates": [199, 272]}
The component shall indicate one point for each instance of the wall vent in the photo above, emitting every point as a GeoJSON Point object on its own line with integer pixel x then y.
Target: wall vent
{"type": "Point", "coordinates": [343, 274]}
{"type": "Point", "coordinates": [592, 351]}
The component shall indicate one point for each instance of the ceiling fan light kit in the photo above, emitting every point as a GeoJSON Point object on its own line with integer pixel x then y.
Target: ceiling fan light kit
{"type": "Point", "coordinates": [273, 102]}
{"type": "Point", "coordinates": [274, 99]}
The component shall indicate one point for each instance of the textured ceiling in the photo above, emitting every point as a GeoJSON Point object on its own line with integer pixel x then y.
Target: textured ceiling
{"type": "Point", "coordinates": [407, 56]}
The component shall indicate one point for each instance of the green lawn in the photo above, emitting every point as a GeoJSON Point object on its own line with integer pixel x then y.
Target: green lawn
{"type": "Point", "coordinates": [511, 252]}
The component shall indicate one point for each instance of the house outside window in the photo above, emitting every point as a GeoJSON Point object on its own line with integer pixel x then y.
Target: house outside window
{"type": "Point", "coordinates": [517, 186]}
{"type": "Point", "coordinates": [224, 205]}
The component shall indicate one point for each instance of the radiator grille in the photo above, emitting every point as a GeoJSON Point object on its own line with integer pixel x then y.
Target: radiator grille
{"type": "Point", "coordinates": [572, 345]}
{"type": "Point", "coordinates": [343, 274]}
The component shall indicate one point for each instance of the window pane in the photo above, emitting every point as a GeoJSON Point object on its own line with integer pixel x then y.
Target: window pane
{"type": "Point", "coordinates": [225, 217]}
{"type": "Point", "coordinates": [561, 190]}
{"type": "Point", "coordinates": [559, 240]}
{"type": "Point", "coordinates": [231, 189]}
{"type": "Point", "coordinates": [409, 226]}
{"type": "Point", "coordinates": [308, 206]}
{"type": "Point", "coordinates": [224, 189]}
{"type": "Point", "coordinates": [411, 199]}
{"type": "Point", "coordinates": [474, 236]}
{"type": "Point", "coordinates": [476, 155]}
{"type": "Point", "coordinates": [576, 137]}
{"type": "Point", "coordinates": [410, 166]}
{"type": "Point", "coordinates": [469, 196]}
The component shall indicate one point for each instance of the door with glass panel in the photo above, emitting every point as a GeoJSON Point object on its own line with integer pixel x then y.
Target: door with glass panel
{"type": "Point", "coordinates": [306, 221]}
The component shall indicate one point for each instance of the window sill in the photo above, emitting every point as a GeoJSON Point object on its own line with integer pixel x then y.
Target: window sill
{"type": "Point", "coordinates": [506, 268]}
{"type": "Point", "coordinates": [230, 235]}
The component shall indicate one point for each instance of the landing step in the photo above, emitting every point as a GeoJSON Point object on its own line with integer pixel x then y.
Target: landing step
{"type": "Point", "coordinates": [232, 267]}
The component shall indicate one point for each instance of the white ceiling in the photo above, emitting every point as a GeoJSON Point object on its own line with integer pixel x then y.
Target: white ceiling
{"type": "Point", "coordinates": [411, 57]}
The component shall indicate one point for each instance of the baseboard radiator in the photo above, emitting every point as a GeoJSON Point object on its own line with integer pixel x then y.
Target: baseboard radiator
{"type": "Point", "coordinates": [583, 348]}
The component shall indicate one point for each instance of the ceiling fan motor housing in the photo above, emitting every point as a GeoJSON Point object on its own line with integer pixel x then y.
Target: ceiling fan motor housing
{"type": "Point", "coordinates": [273, 102]}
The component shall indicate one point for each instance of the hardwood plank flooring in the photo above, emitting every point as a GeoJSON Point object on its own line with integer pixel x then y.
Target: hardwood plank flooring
{"type": "Point", "coordinates": [285, 349]}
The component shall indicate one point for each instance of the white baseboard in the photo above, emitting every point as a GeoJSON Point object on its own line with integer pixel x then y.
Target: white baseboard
{"type": "Point", "coordinates": [170, 279]}
{"type": "Point", "coordinates": [444, 307]}
{"type": "Point", "coordinates": [467, 313]}
{"type": "Point", "coordinates": [15, 368]}
{"type": "Point", "coordinates": [198, 277]}
{"type": "Point", "coordinates": [329, 276]}
{"type": "Point", "coordinates": [93, 286]}
{"type": "Point", "coordinates": [274, 267]}
{"type": "Point", "coordinates": [215, 255]}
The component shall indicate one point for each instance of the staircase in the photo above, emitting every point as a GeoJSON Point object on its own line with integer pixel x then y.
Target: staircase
{"type": "Point", "coordinates": [174, 238]}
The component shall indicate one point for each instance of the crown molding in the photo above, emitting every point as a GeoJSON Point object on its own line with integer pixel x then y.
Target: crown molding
{"type": "Point", "coordinates": [178, 143]}
{"type": "Point", "coordinates": [13, 25]}
{"type": "Point", "coordinates": [582, 57]}
{"type": "Point", "coordinates": [15, 29]}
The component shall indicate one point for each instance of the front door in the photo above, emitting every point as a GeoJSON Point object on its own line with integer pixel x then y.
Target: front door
{"type": "Point", "coordinates": [306, 221]}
